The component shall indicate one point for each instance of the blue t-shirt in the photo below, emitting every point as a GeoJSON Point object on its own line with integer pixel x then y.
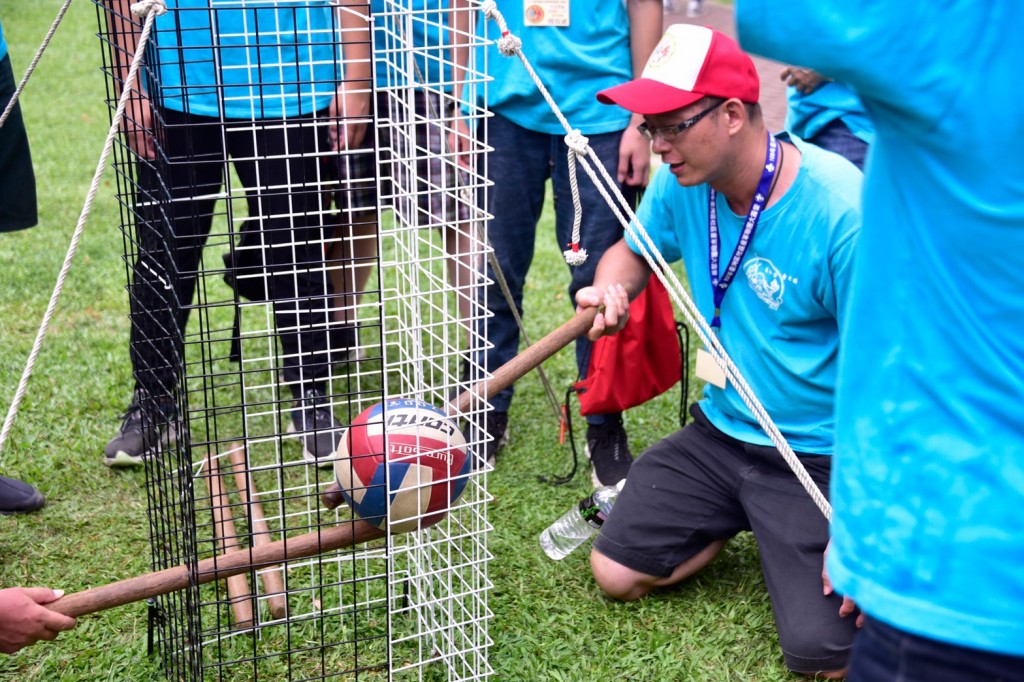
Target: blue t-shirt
{"type": "Point", "coordinates": [780, 314]}
{"type": "Point", "coordinates": [3, 43]}
{"type": "Point", "coordinates": [425, 22]}
{"type": "Point", "coordinates": [573, 62]}
{"type": "Point", "coordinates": [807, 114]}
{"type": "Point", "coordinates": [243, 60]}
{"type": "Point", "coordinates": [928, 484]}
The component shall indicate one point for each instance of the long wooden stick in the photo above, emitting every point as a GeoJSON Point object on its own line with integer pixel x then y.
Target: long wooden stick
{"type": "Point", "coordinates": [272, 581]}
{"type": "Point", "coordinates": [507, 374]}
{"type": "Point", "coordinates": [345, 534]}
{"type": "Point", "coordinates": [239, 594]}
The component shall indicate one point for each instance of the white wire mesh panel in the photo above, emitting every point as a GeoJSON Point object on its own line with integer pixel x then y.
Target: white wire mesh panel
{"type": "Point", "coordinates": [278, 284]}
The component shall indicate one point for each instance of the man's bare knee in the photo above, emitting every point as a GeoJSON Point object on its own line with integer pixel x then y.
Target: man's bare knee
{"type": "Point", "coordinates": [618, 581]}
{"type": "Point", "coordinates": [625, 584]}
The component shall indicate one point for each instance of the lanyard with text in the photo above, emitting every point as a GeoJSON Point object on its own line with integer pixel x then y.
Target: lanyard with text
{"type": "Point", "coordinates": [720, 286]}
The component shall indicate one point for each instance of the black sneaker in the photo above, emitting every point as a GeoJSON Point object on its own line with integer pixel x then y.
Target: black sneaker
{"type": "Point", "coordinates": [18, 497]}
{"type": "Point", "coordinates": [608, 451]}
{"type": "Point", "coordinates": [141, 436]}
{"type": "Point", "coordinates": [313, 423]}
{"type": "Point", "coordinates": [493, 439]}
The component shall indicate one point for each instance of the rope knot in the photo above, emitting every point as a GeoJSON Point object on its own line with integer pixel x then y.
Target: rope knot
{"type": "Point", "coordinates": [509, 44]}
{"type": "Point", "coordinates": [575, 255]}
{"type": "Point", "coordinates": [578, 143]}
{"type": "Point", "coordinates": [489, 8]}
{"type": "Point", "coordinates": [144, 8]}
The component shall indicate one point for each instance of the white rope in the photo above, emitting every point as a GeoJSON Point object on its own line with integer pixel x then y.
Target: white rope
{"type": "Point", "coordinates": [656, 261]}
{"type": "Point", "coordinates": [578, 147]}
{"type": "Point", "coordinates": [35, 60]}
{"type": "Point", "coordinates": [148, 10]}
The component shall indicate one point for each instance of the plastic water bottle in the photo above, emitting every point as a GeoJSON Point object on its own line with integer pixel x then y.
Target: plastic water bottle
{"type": "Point", "coordinates": [580, 522]}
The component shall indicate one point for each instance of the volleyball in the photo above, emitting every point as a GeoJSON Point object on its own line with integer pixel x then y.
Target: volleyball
{"type": "Point", "coordinates": [402, 460]}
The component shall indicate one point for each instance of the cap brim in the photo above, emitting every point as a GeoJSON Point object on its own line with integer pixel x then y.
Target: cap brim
{"type": "Point", "coordinates": [647, 96]}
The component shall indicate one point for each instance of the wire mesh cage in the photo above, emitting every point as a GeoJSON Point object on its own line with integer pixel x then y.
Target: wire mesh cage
{"type": "Point", "coordinates": [302, 244]}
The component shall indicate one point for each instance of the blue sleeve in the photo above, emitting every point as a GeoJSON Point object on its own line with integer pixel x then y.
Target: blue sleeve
{"type": "Point", "coordinates": [883, 49]}
{"type": "Point", "coordinates": [658, 218]}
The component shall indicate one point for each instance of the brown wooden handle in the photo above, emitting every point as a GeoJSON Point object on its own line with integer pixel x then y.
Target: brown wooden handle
{"type": "Point", "coordinates": [239, 594]}
{"type": "Point", "coordinates": [345, 534]}
{"type": "Point", "coordinates": [273, 583]}
{"type": "Point", "coordinates": [520, 365]}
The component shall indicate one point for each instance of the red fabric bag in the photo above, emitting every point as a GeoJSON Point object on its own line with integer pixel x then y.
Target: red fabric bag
{"type": "Point", "coordinates": [639, 363]}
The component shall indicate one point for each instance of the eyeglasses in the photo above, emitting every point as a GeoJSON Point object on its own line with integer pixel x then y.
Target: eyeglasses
{"type": "Point", "coordinates": [669, 133]}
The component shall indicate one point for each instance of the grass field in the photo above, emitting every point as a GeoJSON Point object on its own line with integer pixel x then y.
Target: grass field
{"type": "Point", "coordinates": [550, 621]}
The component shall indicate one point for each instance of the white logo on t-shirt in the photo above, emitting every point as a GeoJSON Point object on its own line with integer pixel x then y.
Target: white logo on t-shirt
{"type": "Point", "coordinates": [767, 281]}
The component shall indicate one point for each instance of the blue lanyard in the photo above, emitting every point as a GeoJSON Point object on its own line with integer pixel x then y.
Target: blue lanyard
{"type": "Point", "coordinates": [720, 286]}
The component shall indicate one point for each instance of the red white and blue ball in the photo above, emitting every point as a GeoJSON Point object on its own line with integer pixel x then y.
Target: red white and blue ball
{"type": "Point", "coordinates": [404, 460]}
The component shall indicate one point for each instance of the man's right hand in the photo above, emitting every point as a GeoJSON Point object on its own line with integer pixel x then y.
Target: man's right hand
{"type": "Point", "coordinates": [616, 309]}
{"type": "Point", "coordinates": [24, 621]}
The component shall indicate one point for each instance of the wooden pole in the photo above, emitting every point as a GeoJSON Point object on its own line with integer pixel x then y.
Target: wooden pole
{"type": "Point", "coordinates": [239, 594]}
{"type": "Point", "coordinates": [149, 585]}
{"type": "Point", "coordinates": [520, 365]}
{"type": "Point", "coordinates": [273, 583]}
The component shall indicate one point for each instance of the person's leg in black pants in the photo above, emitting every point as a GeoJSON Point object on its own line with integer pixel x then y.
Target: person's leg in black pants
{"type": "Point", "coordinates": [172, 222]}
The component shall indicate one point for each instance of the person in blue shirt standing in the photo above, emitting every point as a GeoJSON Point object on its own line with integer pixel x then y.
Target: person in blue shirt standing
{"type": "Point", "coordinates": [253, 84]}
{"type": "Point", "coordinates": [827, 113]}
{"type": "Point", "coordinates": [576, 50]}
{"type": "Point", "coordinates": [741, 208]}
{"type": "Point", "coordinates": [929, 463]}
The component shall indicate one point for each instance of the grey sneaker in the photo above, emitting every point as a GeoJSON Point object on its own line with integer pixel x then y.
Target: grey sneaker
{"type": "Point", "coordinates": [313, 423]}
{"type": "Point", "coordinates": [142, 436]}
{"type": "Point", "coordinates": [608, 451]}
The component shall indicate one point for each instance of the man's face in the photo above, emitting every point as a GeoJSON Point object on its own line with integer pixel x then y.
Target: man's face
{"type": "Point", "coordinates": [689, 140]}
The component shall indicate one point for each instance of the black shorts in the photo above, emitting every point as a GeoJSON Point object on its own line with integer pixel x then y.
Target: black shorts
{"type": "Point", "coordinates": [17, 180]}
{"type": "Point", "coordinates": [700, 485]}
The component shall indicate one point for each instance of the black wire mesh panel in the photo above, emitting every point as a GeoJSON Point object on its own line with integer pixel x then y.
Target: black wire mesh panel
{"type": "Point", "coordinates": [300, 245]}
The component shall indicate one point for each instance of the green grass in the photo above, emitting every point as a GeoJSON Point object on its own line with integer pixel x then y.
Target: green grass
{"type": "Point", "coordinates": [550, 621]}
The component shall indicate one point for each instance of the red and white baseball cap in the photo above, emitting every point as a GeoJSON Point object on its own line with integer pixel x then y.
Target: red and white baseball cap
{"type": "Point", "coordinates": [689, 63]}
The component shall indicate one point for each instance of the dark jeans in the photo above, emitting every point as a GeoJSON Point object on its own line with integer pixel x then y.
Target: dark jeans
{"type": "Point", "coordinates": [836, 137]}
{"type": "Point", "coordinates": [174, 205]}
{"type": "Point", "coordinates": [882, 652]}
{"type": "Point", "coordinates": [520, 166]}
